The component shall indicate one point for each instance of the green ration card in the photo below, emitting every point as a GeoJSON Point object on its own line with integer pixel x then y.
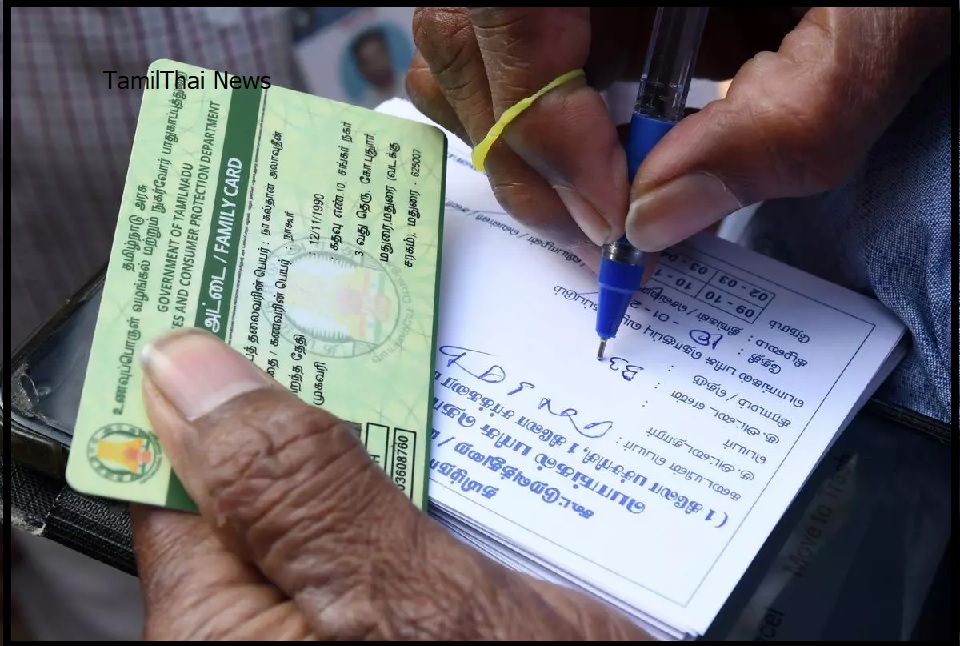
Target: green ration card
{"type": "Point", "coordinates": [302, 231]}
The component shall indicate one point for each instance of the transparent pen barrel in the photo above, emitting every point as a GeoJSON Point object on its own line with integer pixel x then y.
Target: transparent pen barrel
{"type": "Point", "coordinates": [671, 57]}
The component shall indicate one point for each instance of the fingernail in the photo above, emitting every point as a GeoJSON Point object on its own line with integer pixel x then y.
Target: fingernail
{"type": "Point", "coordinates": [197, 372]}
{"type": "Point", "coordinates": [587, 218]}
{"type": "Point", "coordinates": [674, 212]}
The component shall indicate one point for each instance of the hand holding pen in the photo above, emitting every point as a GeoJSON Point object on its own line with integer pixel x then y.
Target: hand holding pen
{"type": "Point", "coordinates": [661, 99]}
{"type": "Point", "coordinates": [779, 132]}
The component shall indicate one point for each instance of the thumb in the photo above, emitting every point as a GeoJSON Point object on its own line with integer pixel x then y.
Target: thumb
{"type": "Point", "coordinates": [794, 123]}
{"type": "Point", "coordinates": [287, 486]}
{"type": "Point", "coordinates": [291, 490]}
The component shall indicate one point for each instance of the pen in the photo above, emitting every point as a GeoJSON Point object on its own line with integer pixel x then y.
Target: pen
{"type": "Point", "coordinates": [671, 56]}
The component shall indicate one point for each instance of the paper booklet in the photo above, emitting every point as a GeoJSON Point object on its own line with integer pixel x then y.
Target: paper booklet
{"type": "Point", "coordinates": [649, 479]}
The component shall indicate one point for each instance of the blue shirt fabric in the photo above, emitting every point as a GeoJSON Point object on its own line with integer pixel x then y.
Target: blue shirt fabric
{"type": "Point", "coordinates": [887, 233]}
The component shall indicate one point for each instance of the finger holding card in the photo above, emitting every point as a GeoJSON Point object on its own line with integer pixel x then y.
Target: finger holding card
{"type": "Point", "coordinates": [302, 536]}
{"type": "Point", "coordinates": [301, 231]}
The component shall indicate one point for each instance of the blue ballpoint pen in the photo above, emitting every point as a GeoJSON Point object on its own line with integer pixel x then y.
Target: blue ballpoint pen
{"type": "Point", "coordinates": [671, 56]}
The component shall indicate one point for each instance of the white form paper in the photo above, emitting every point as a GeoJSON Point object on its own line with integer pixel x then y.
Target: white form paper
{"type": "Point", "coordinates": [654, 476]}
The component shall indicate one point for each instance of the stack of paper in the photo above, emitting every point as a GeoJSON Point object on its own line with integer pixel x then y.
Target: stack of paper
{"type": "Point", "coordinates": [652, 478]}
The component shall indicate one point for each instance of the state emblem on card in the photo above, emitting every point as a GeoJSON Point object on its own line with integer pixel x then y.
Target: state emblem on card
{"type": "Point", "coordinates": [338, 304]}
{"type": "Point", "coordinates": [124, 453]}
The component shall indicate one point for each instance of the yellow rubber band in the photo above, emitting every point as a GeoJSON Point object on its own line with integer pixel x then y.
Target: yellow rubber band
{"type": "Point", "coordinates": [479, 156]}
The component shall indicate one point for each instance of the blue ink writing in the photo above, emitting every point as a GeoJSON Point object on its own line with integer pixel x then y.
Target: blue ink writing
{"type": "Point", "coordinates": [479, 365]}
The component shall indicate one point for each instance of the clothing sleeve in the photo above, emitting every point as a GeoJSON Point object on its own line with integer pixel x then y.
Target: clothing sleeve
{"type": "Point", "coordinates": [887, 233]}
{"type": "Point", "coordinates": [72, 134]}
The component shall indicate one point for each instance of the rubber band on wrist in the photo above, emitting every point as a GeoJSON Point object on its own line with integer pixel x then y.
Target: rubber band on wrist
{"type": "Point", "coordinates": [482, 149]}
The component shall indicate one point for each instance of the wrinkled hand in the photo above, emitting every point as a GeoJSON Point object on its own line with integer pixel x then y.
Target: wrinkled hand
{"type": "Point", "coordinates": [812, 91]}
{"type": "Point", "coordinates": [302, 536]}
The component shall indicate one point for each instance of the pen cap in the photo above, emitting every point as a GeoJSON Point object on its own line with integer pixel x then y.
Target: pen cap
{"type": "Point", "coordinates": [671, 57]}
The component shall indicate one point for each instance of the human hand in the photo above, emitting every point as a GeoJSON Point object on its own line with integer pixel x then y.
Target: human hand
{"type": "Point", "coordinates": [301, 536]}
{"type": "Point", "coordinates": [812, 90]}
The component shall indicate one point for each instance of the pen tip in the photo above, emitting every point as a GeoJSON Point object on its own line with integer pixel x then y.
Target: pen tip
{"type": "Point", "coordinates": [603, 346]}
